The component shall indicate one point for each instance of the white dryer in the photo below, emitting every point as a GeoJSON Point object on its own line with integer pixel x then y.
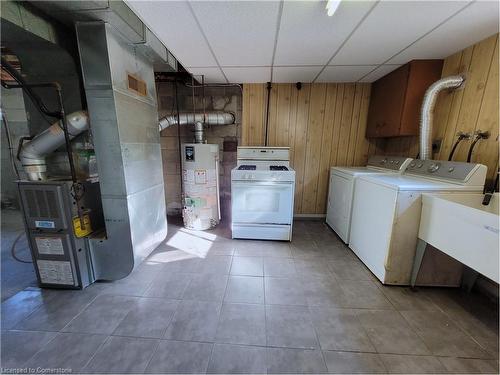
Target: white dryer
{"type": "Point", "coordinates": [341, 189]}
{"type": "Point", "coordinates": [386, 213]}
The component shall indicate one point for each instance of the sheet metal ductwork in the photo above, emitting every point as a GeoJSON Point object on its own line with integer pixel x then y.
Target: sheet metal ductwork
{"type": "Point", "coordinates": [427, 113]}
{"type": "Point", "coordinates": [127, 148]}
{"type": "Point", "coordinates": [208, 118]}
{"type": "Point", "coordinates": [118, 15]}
{"type": "Point", "coordinates": [32, 154]}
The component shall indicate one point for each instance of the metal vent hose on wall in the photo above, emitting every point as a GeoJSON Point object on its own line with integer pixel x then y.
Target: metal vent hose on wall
{"type": "Point", "coordinates": [427, 113]}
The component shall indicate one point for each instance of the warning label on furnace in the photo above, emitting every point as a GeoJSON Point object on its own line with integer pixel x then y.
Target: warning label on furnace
{"type": "Point", "coordinates": [55, 272]}
{"type": "Point", "coordinates": [50, 245]}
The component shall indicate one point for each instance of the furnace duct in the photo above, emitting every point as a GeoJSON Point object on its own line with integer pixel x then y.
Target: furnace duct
{"type": "Point", "coordinates": [32, 153]}
{"type": "Point", "coordinates": [427, 112]}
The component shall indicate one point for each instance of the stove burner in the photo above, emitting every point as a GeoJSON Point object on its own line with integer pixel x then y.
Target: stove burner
{"type": "Point", "coordinates": [278, 168]}
{"type": "Point", "coordinates": [247, 168]}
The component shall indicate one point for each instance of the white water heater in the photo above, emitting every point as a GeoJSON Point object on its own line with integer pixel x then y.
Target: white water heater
{"type": "Point", "coordinates": [200, 177]}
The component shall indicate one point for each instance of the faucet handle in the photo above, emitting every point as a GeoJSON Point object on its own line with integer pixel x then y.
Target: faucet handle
{"type": "Point", "coordinates": [482, 135]}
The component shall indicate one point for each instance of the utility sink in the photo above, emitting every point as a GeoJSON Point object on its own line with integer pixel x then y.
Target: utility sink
{"type": "Point", "coordinates": [458, 224]}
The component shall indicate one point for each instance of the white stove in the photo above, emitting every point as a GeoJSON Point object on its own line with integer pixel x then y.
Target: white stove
{"type": "Point", "coordinates": [262, 191]}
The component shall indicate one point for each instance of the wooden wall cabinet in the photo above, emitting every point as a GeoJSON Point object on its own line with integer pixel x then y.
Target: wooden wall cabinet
{"type": "Point", "coordinates": [396, 99]}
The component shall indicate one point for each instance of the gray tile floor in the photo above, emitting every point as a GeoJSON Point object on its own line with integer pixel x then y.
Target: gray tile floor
{"type": "Point", "coordinates": [15, 276]}
{"type": "Point", "coordinates": [202, 303]}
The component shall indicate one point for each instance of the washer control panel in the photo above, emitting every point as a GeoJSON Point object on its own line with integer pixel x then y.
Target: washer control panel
{"type": "Point", "coordinates": [450, 170]}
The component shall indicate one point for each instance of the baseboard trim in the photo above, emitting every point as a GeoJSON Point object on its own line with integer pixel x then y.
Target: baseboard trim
{"type": "Point", "coordinates": [309, 216]}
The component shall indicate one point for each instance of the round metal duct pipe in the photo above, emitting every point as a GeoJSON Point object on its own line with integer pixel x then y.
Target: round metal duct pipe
{"type": "Point", "coordinates": [427, 112]}
{"type": "Point", "coordinates": [198, 132]}
{"type": "Point", "coordinates": [208, 118]}
{"type": "Point", "coordinates": [32, 154]}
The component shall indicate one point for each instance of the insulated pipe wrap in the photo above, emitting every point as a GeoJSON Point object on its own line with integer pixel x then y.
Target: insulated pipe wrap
{"type": "Point", "coordinates": [32, 154]}
{"type": "Point", "coordinates": [208, 118]}
{"type": "Point", "coordinates": [427, 112]}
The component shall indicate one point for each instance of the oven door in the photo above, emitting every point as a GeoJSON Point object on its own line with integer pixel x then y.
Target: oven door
{"type": "Point", "coordinates": [262, 202]}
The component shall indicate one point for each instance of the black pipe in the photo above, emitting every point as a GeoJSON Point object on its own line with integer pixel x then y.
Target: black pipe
{"type": "Point", "coordinates": [461, 137]}
{"type": "Point", "coordinates": [78, 189]}
{"type": "Point", "coordinates": [27, 89]}
{"type": "Point", "coordinates": [489, 192]}
{"type": "Point", "coordinates": [471, 148]}
{"type": "Point", "coordinates": [67, 139]}
{"type": "Point", "coordinates": [179, 136]}
{"type": "Point", "coordinates": [269, 86]}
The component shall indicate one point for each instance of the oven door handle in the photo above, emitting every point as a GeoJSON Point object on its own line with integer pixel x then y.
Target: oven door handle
{"type": "Point", "coordinates": [261, 183]}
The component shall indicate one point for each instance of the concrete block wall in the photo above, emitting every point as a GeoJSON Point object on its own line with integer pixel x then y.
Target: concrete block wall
{"type": "Point", "coordinates": [216, 98]}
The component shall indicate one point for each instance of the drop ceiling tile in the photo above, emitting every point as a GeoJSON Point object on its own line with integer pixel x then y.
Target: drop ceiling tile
{"type": "Point", "coordinates": [473, 24]}
{"type": "Point", "coordinates": [309, 37]}
{"type": "Point", "coordinates": [212, 75]}
{"type": "Point", "coordinates": [248, 74]}
{"type": "Point", "coordinates": [381, 71]}
{"type": "Point", "coordinates": [241, 33]}
{"type": "Point", "coordinates": [295, 73]}
{"type": "Point", "coordinates": [344, 73]}
{"type": "Point", "coordinates": [392, 26]}
{"type": "Point", "coordinates": [173, 23]}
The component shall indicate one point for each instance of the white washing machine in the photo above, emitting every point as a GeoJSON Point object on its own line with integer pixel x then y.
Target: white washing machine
{"type": "Point", "coordinates": [386, 214]}
{"type": "Point", "coordinates": [341, 189]}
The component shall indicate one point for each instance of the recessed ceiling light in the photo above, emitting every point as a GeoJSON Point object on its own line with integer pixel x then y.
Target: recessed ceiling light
{"type": "Point", "coordinates": [331, 7]}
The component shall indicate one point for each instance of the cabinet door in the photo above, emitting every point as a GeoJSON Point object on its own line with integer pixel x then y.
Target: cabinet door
{"type": "Point", "coordinates": [386, 104]}
{"type": "Point", "coordinates": [423, 73]}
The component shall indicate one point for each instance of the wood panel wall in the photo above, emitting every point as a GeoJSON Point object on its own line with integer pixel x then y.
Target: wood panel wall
{"type": "Point", "coordinates": [475, 107]}
{"type": "Point", "coordinates": [323, 124]}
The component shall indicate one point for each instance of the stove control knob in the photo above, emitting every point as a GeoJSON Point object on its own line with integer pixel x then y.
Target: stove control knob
{"type": "Point", "coordinates": [252, 177]}
{"type": "Point", "coordinates": [412, 164]}
{"type": "Point", "coordinates": [451, 169]}
{"type": "Point", "coordinates": [420, 165]}
{"type": "Point", "coordinates": [246, 176]}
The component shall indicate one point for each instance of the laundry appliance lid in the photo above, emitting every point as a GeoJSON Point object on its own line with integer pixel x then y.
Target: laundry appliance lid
{"type": "Point", "coordinates": [407, 183]}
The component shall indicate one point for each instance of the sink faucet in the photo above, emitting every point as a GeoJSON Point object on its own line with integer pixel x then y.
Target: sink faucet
{"type": "Point", "coordinates": [489, 193]}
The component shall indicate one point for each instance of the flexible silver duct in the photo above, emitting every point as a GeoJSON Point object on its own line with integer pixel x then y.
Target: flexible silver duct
{"type": "Point", "coordinates": [32, 153]}
{"type": "Point", "coordinates": [427, 112]}
{"type": "Point", "coordinates": [209, 118]}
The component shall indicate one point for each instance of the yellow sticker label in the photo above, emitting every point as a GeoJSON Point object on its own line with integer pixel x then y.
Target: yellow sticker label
{"type": "Point", "coordinates": [79, 232]}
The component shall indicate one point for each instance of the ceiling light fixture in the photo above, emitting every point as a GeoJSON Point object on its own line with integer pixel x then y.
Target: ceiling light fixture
{"type": "Point", "coordinates": [331, 7]}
